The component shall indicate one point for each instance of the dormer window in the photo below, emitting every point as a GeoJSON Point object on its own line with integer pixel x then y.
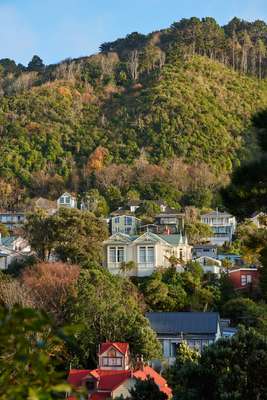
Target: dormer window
{"type": "Point", "coordinates": [112, 359]}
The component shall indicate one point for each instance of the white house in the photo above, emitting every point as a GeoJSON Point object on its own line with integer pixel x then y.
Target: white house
{"type": "Point", "coordinates": [223, 225]}
{"type": "Point", "coordinates": [256, 219]}
{"type": "Point", "coordinates": [148, 252]}
{"type": "Point", "coordinates": [210, 264]}
{"type": "Point", "coordinates": [12, 248]}
{"type": "Point", "coordinates": [67, 200]}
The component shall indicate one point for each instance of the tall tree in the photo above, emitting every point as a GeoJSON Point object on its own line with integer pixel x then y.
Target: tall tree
{"type": "Point", "coordinates": [36, 64]}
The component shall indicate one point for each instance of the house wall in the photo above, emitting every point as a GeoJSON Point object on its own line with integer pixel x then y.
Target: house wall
{"type": "Point", "coordinates": [237, 280]}
{"type": "Point", "coordinates": [106, 358]}
{"type": "Point", "coordinates": [222, 226]}
{"type": "Point", "coordinates": [119, 224]}
{"type": "Point", "coordinates": [62, 201]}
{"type": "Point", "coordinates": [161, 252]}
{"type": "Point", "coordinates": [204, 251]}
{"type": "Point", "coordinates": [170, 343]}
{"type": "Point", "coordinates": [124, 388]}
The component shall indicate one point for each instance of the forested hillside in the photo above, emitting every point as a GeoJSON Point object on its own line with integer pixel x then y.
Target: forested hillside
{"type": "Point", "coordinates": [165, 115]}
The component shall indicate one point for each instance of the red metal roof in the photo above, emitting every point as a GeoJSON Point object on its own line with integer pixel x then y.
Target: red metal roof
{"type": "Point", "coordinates": [112, 379]}
{"type": "Point", "coordinates": [158, 379]}
{"type": "Point", "coordinates": [121, 347]}
{"type": "Point", "coordinates": [76, 376]}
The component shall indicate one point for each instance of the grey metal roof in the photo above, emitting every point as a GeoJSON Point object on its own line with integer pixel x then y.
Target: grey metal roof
{"type": "Point", "coordinates": [217, 214]}
{"type": "Point", "coordinates": [186, 322]}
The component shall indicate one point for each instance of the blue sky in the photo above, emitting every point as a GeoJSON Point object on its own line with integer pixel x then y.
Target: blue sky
{"type": "Point", "coordinates": [57, 29]}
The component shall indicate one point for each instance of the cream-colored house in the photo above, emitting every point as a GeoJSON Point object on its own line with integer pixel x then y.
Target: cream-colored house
{"type": "Point", "coordinates": [148, 252]}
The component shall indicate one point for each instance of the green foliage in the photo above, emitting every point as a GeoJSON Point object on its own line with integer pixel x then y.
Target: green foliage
{"type": "Point", "coordinates": [71, 235]}
{"type": "Point", "coordinates": [94, 202]}
{"type": "Point", "coordinates": [30, 354]}
{"type": "Point", "coordinates": [4, 230]}
{"type": "Point", "coordinates": [147, 390]}
{"type": "Point", "coordinates": [36, 64]}
{"type": "Point", "coordinates": [106, 308]}
{"type": "Point", "coordinates": [148, 210]}
{"type": "Point", "coordinates": [198, 232]}
{"type": "Point", "coordinates": [169, 290]}
{"type": "Point", "coordinates": [248, 189]}
{"type": "Point", "coordinates": [231, 368]}
{"type": "Point", "coordinates": [246, 312]}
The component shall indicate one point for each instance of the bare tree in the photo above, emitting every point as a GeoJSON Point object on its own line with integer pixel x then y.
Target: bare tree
{"type": "Point", "coordinates": [133, 65]}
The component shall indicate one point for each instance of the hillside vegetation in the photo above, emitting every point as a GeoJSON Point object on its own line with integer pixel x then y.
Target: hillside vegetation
{"type": "Point", "coordinates": [168, 105]}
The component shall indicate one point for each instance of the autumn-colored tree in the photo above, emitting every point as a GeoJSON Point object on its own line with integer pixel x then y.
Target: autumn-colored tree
{"type": "Point", "coordinates": [96, 160]}
{"type": "Point", "coordinates": [12, 293]}
{"type": "Point", "coordinates": [50, 285]}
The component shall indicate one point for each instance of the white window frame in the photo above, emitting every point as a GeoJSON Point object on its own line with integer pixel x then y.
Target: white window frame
{"type": "Point", "coordinates": [146, 259]}
{"type": "Point", "coordinates": [117, 249]}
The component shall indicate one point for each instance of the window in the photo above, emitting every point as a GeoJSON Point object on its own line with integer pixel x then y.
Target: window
{"type": "Point", "coordinates": [243, 280]}
{"type": "Point", "coordinates": [128, 220]}
{"type": "Point", "coordinates": [112, 361]}
{"type": "Point", "coordinates": [150, 254]}
{"type": "Point", "coordinates": [174, 348]}
{"type": "Point", "coordinates": [181, 254]}
{"type": "Point", "coordinates": [61, 200]}
{"type": "Point", "coordinates": [112, 254]}
{"type": "Point", "coordinates": [67, 200]}
{"type": "Point", "coordinates": [117, 220]}
{"type": "Point", "coordinates": [246, 279]}
{"type": "Point", "coordinates": [146, 254]}
{"type": "Point", "coordinates": [120, 254]}
{"type": "Point", "coordinates": [116, 254]}
{"type": "Point", "coordinates": [142, 254]}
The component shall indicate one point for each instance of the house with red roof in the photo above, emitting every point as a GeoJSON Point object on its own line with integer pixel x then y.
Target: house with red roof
{"type": "Point", "coordinates": [114, 376]}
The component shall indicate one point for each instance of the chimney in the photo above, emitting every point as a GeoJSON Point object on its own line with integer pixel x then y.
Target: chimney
{"type": "Point", "coordinates": [140, 363]}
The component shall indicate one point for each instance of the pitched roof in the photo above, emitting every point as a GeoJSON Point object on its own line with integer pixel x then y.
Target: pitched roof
{"type": "Point", "coordinates": [122, 347]}
{"type": "Point", "coordinates": [217, 214]}
{"type": "Point", "coordinates": [76, 376]}
{"type": "Point", "coordinates": [109, 380]}
{"type": "Point", "coordinates": [186, 322]}
{"type": "Point", "coordinates": [174, 239]}
{"type": "Point", "coordinates": [158, 379]}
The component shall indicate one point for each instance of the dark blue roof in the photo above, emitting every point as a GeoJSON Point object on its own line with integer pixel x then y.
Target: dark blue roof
{"type": "Point", "coordinates": [186, 322]}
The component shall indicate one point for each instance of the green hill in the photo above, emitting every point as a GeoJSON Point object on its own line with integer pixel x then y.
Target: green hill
{"type": "Point", "coordinates": [141, 98]}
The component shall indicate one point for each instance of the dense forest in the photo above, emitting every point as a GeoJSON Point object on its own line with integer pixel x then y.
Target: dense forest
{"type": "Point", "coordinates": [160, 116]}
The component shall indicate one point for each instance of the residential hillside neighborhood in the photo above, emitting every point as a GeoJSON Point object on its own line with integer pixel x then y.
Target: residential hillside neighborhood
{"type": "Point", "coordinates": [140, 249]}
{"type": "Point", "coordinates": [133, 201]}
